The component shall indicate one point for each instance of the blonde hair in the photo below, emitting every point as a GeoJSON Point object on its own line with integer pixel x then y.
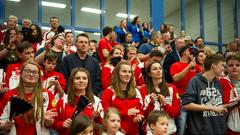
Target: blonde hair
{"type": "Point", "coordinates": [37, 93]}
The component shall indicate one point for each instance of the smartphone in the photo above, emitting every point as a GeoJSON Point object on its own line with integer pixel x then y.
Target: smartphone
{"type": "Point", "coordinates": [82, 103]}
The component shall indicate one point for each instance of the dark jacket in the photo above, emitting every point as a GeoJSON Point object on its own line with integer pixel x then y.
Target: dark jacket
{"type": "Point", "coordinates": [91, 64]}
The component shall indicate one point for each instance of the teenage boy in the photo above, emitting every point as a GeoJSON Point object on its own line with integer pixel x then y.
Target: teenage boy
{"type": "Point", "coordinates": [52, 80]}
{"type": "Point", "coordinates": [231, 92]}
{"type": "Point", "coordinates": [204, 101]}
{"type": "Point", "coordinates": [26, 53]}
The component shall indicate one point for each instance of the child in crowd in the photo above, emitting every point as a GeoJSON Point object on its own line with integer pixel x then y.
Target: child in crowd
{"type": "Point", "coordinates": [112, 122]}
{"type": "Point", "coordinates": [158, 122]}
{"type": "Point", "coordinates": [52, 80]}
{"type": "Point", "coordinates": [82, 125]}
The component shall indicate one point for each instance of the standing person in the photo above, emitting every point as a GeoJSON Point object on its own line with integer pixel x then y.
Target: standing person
{"type": "Point", "coordinates": [55, 29]}
{"type": "Point", "coordinates": [26, 53]}
{"type": "Point", "coordinates": [112, 122]}
{"type": "Point", "coordinates": [115, 56]}
{"type": "Point", "coordinates": [29, 89]}
{"type": "Point", "coordinates": [172, 57]}
{"type": "Point", "coordinates": [52, 80]}
{"type": "Point", "coordinates": [121, 31]}
{"type": "Point", "coordinates": [35, 37]}
{"type": "Point", "coordinates": [79, 85]}
{"type": "Point", "coordinates": [82, 59]}
{"type": "Point", "coordinates": [158, 95]}
{"type": "Point", "coordinates": [204, 101]}
{"type": "Point", "coordinates": [56, 46]}
{"type": "Point", "coordinates": [231, 92]}
{"type": "Point", "coordinates": [8, 53]}
{"type": "Point", "coordinates": [123, 95]}
{"type": "Point", "coordinates": [11, 24]}
{"type": "Point", "coordinates": [104, 45]}
{"type": "Point", "coordinates": [135, 29]}
{"type": "Point", "coordinates": [69, 47]}
{"type": "Point", "coordinates": [158, 122]}
{"type": "Point", "coordinates": [181, 73]}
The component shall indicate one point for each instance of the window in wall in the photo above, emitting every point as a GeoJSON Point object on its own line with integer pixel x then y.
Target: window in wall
{"type": "Point", "coordinates": [192, 18]}
{"type": "Point", "coordinates": [172, 14]}
{"type": "Point", "coordinates": [227, 21]}
{"type": "Point", "coordinates": [115, 12]}
{"type": "Point", "coordinates": [210, 21]}
{"type": "Point", "coordinates": [22, 9]}
{"type": "Point", "coordinates": [141, 8]}
{"type": "Point", "coordinates": [87, 13]}
{"type": "Point", "coordinates": [60, 9]}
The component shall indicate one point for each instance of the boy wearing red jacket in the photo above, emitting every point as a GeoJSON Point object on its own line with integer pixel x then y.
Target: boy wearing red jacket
{"type": "Point", "coordinates": [52, 80]}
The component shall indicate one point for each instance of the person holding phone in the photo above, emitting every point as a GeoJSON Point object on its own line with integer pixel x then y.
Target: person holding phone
{"type": "Point", "coordinates": [123, 95]}
{"type": "Point", "coordinates": [34, 121]}
{"type": "Point", "coordinates": [79, 85]}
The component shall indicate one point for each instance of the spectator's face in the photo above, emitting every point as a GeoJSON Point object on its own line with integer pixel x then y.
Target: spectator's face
{"type": "Point", "coordinates": [54, 23]}
{"type": "Point", "coordinates": [160, 127]}
{"type": "Point", "coordinates": [233, 47]}
{"type": "Point", "coordinates": [233, 68]}
{"type": "Point", "coordinates": [180, 43]}
{"type": "Point", "coordinates": [129, 38]}
{"type": "Point", "coordinates": [80, 81]}
{"type": "Point", "coordinates": [159, 40]}
{"type": "Point", "coordinates": [125, 74]}
{"type": "Point", "coordinates": [82, 44]}
{"type": "Point", "coordinates": [156, 58]}
{"type": "Point", "coordinates": [69, 38]}
{"type": "Point", "coordinates": [117, 53]}
{"type": "Point", "coordinates": [34, 31]}
{"type": "Point", "coordinates": [30, 75]}
{"type": "Point", "coordinates": [199, 42]}
{"type": "Point", "coordinates": [12, 23]}
{"type": "Point", "coordinates": [59, 42]}
{"type": "Point", "coordinates": [50, 65]}
{"type": "Point", "coordinates": [13, 34]}
{"type": "Point", "coordinates": [156, 71]}
{"type": "Point", "coordinates": [201, 57]}
{"type": "Point", "coordinates": [92, 47]}
{"type": "Point", "coordinates": [26, 24]}
{"type": "Point", "coordinates": [27, 54]}
{"type": "Point", "coordinates": [113, 123]}
{"type": "Point", "coordinates": [131, 54]}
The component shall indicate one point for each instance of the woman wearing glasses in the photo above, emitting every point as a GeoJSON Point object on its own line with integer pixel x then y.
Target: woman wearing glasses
{"type": "Point", "coordinates": [34, 120]}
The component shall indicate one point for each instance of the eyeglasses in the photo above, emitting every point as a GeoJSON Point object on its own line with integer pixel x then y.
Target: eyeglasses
{"type": "Point", "coordinates": [29, 72]}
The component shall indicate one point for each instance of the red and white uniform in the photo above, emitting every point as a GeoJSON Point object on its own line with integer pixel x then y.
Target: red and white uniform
{"type": "Point", "coordinates": [109, 99]}
{"type": "Point", "coordinates": [182, 84]}
{"type": "Point", "coordinates": [20, 127]}
{"type": "Point", "coordinates": [231, 93]}
{"type": "Point", "coordinates": [65, 111]}
{"type": "Point", "coordinates": [106, 75]}
{"type": "Point", "coordinates": [13, 75]}
{"type": "Point", "coordinates": [172, 107]}
{"type": "Point", "coordinates": [137, 71]}
{"type": "Point", "coordinates": [50, 76]}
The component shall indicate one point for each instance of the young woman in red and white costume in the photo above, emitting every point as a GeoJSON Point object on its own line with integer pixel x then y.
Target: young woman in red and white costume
{"type": "Point", "coordinates": [115, 55]}
{"type": "Point", "coordinates": [231, 92]}
{"type": "Point", "coordinates": [123, 95]}
{"type": "Point", "coordinates": [79, 84]}
{"type": "Point", "coordinates": [158, 95]}
{"type": "Point", "coordinates": [30, 89]}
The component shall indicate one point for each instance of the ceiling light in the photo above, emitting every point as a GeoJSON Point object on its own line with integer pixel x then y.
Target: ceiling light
{"type": "Point", "coordinates": [77, 31]}
{"type": "Point", "coordinates": [91, 10]}
{"type": "Point", "coordinates": [123, 15]}
{"type": "Point", "coordinates": [15, 0]}
{"type": "Point", "coordinates": [53, 4]}
{"type": "Point", "coordinates": [96, 33]}
{"type": "Point", "coordinates": [45, 28]}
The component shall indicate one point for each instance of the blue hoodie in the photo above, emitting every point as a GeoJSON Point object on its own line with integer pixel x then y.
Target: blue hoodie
{"type": "Point", "coordinates": [202, 91]}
